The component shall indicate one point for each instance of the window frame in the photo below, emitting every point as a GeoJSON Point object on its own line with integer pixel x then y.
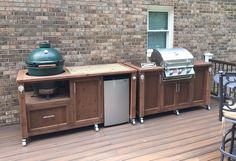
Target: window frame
{"type": "Point", "coordinates": [169, 31]}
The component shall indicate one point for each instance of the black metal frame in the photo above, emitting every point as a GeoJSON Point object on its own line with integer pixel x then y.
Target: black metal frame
{"type": "Point", "coordinates": [226, 94]}
{"type": "Point", "coordinates": [228, 139]}
{"type": "Point", "coordinates": [219, 65]}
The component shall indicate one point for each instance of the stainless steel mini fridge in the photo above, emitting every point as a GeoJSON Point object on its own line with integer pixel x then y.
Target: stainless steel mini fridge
{"type": "Point", "coordinates": [116, 100]}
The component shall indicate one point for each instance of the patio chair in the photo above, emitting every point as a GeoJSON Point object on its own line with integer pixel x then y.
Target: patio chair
{"type": "Point", "coordinates": [227, 113]}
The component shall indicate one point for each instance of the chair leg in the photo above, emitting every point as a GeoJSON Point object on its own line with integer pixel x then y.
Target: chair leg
{"type": "Point", "coordinates": [232, 139]}
{"type": "Point", "coordinates": [222, 157]}
{"type": "Point", "coordinates": [223, 146]}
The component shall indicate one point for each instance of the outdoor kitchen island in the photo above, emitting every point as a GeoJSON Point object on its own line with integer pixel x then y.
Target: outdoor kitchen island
{"type": "Point", "coordinates": [156, 94]}
{"type": "Point", "coordinates": [76, 100]}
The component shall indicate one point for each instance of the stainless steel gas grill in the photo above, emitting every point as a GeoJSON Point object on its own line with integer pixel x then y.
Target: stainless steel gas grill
{"type": "Point", "coordinates": [177, 62]}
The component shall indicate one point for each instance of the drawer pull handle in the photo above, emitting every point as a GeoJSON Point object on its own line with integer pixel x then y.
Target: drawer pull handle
{"type": "Point", "coordinates": [49, 116]}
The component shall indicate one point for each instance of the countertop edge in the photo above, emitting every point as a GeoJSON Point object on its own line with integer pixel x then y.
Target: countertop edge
{"type": "Point", "coordinates": [23, 78]}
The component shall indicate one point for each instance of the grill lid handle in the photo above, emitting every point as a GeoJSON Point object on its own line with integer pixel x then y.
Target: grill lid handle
{"type": "Point", "coordinates": [45, 51]}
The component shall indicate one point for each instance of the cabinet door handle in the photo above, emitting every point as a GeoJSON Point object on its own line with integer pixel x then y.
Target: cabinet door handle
{"type": "Point", "coordinates": [177, 87]}
{"type": "Point", "coordinates": [48, 116]}
{"type": "Point", "coordinates": [75, 87]}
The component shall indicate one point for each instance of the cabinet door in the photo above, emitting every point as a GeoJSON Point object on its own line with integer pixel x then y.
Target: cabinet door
{"type": "Point", "coordinates": [176, 94]}
{"type": "Point", "coordinates": [152, 85]}
{"type": "Point", "coordinates": [183, 93]}
{"type": "Point", "coordinates": [169, 95]}
{"type": "Point", "coordinates": [201, 85]}
{"type": "Point", "coordinates": [88, 101]}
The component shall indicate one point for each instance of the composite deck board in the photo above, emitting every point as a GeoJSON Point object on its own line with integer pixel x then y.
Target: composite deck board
{"type": "Point", "coordinates": [207, 156]}
{"type": "Point", "coordinates": [195, 135]}
{"type": "Point", "coordinates": [130, 136]}
{"type": "Point", "coordinates": [125, 145]}
{"type": "Point", "coordinates": [191, 154]}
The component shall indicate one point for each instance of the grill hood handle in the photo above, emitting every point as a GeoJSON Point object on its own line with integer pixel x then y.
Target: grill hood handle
{"type": "Point", "coordinates": [37, 63]}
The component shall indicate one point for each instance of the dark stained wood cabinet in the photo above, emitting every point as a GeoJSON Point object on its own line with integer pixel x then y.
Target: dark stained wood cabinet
{"type": "Point", "coordinates": [88, 101]}
{"type": "Point", "coordinates": [169, 96]}
{"type": "Point", "coordinates": [200, 88]}
{"type": "Point", "coordinates": [47, 115]}
{"type": "Point", "coordinates": [176, 94]}
{"type": "Point", "coordinates": [148, 90]}
{"type": "Point", "coordinates": [157, 95]}
{"type": "Point", "coordinates": [183, 92]}
{"type": "Point", "coordinates": [43, 114]}
{"type": "Point", "coordinates": [78, 102]}
{"type": "Point", "coordinates": [152, 86]}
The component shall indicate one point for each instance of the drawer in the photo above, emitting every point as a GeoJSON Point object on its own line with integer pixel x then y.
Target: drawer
{"type": "Point", "coordinates": [44, 119]}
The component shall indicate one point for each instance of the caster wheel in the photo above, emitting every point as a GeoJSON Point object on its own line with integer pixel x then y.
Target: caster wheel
{"type": "Point", "coordinates": [133, 122]}
{"type": "Point", "coordinates": [177, 112]}
{"type": "Point", "coordinates": [208, 107]}
{"type": "Point", "coordinates": [24, 142]}
{"type": "Point", "coordinates": [141, 120]}
{"type": "Point", "coordinates": [96, 128]}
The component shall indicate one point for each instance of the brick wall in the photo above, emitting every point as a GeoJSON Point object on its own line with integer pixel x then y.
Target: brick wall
{"type": "Point", "coordinates": [103, 31]}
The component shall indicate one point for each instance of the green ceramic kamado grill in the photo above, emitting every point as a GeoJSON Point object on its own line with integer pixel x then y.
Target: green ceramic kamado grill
{"type": "Point", "coordinates": [45, 61]}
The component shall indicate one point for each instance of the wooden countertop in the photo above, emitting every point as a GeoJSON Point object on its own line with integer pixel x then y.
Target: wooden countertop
{"type": "Point", "coordinates": [78, 72]}
{"type": "Point", "coordinates": [202, 63]}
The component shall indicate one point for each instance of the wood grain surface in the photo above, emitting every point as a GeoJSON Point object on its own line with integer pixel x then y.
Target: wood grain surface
{"type": "Point", "coordinates": [195, 135]}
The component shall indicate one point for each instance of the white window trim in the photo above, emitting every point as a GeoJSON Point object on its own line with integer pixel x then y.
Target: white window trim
{"type": "Point", "coordinates": [170, 31]}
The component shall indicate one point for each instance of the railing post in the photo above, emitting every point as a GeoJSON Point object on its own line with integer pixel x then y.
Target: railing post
{"type": "Point", "coordinates": [221, 85]}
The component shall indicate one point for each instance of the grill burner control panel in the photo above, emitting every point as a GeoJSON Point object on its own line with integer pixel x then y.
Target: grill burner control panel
{"type": "Point", "coordinates": [179, 72]}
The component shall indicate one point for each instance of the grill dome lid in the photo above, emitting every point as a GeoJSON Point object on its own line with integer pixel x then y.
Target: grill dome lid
{"type": "Point", "coordinates": [44, 55]}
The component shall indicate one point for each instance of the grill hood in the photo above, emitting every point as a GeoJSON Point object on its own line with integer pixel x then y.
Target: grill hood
{"type": "Point", "coordinates": [178, 62]}
{"type": "Point", "coordinates": [174, 55]}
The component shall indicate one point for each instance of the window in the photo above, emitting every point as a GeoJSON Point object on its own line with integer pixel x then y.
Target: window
{"type": "Point", "coordinates": [160, 27]}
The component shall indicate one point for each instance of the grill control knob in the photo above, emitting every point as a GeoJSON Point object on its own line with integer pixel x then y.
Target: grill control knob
{"type": "Point", "coordinates": [188, 70]}
{"type": "Point", "coordinates": [180, 71]}
{"type": "Point", "coordinates": [171, 72]}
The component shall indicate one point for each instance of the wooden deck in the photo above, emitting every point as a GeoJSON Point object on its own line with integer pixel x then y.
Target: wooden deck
{"type": "Point", "coordinates": [194, 136]}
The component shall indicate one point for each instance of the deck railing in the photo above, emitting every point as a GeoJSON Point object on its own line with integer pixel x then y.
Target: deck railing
{"type": "Point", "coordinates": [219, 65]}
